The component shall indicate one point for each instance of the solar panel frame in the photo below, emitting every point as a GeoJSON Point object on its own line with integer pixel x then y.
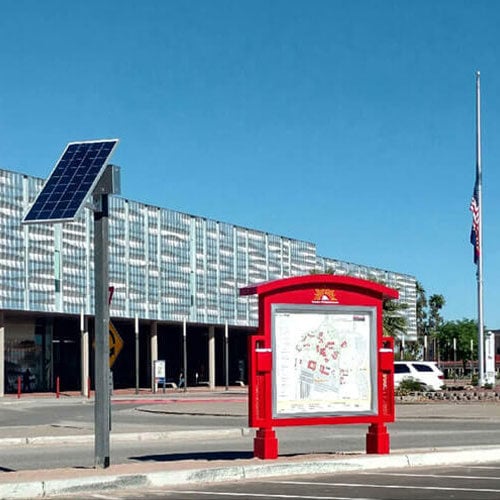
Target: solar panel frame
{"type": "Point", "coordinates": [72, 180]}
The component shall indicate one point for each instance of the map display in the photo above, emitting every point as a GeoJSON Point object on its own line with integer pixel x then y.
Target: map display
{"type": "Point", "coordinates": [324, 360]}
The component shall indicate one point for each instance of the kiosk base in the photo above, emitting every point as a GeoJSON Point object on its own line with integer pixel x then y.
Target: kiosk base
{"type": "Point", "coordinates": [377, 439]}
{"type": "Point", "coordinates": [265, 444]}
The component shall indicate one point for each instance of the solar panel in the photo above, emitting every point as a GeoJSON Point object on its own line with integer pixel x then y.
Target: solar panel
{"type": "Point", "coordinates": [71, 182]}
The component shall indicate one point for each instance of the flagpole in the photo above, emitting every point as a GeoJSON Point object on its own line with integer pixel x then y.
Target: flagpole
{"type": "Point", "coordinates": [480, 357]}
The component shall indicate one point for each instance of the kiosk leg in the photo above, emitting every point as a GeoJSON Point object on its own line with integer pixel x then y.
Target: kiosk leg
{"type": "Point", "coordinates": [265, 444]}
{"type": "Point", "coordinates": [377, 439]}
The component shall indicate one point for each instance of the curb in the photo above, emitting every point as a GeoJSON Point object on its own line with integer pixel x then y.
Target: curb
{"type": "Point", "coordinates": [131, 436]}
{"type": "Point", "coordinates": [39, 489]}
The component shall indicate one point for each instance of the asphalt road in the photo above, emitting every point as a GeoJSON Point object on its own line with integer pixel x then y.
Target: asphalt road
{"type": "Point", "coordinates": [124, 416]}
{"type": "Point", "coordinates": [478, 482]}
{"type": "Point", "coordinates": [292, 441]}
{"type": "Point", "coordinates": [408, 432]}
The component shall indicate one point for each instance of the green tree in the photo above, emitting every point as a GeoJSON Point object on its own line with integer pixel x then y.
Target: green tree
{"type": "Point", "coordinates": [436, 303]}
{"type": "Point", "coordinates": [435, 321]}
{"type": "Point", "coordinates": [416, 349]}
{"type": "Point", "coordinates": [394, 323]}
{"type": "Point", "coordinates": [421, 312]}
{"type": "Point", "coordinates": [463, 331]}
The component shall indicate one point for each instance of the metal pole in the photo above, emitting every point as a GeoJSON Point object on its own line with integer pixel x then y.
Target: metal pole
{"type": "Point", "coordinates": [84, 348]}
{"type": "Point", "coordinates": [425, 348]}
{"type": "Point", "coordinates": [2, 354]}
{"type": "Point", "coordinates": [184, 341]}
{"type": "Point", "coordinates": [472, 356]}
{"type": "Point", "coordinates": [102, 407]}
{"type": "Point", "coordinates": [480, 235]}
{"type": "Point", "coordinates": [454, 358]}
{"type": "Point", "coordinates": [136, 329]}
{"type": "Point", "coordinates": [153, 340]}
{"type": "Point", "coordinates": [226, 354]}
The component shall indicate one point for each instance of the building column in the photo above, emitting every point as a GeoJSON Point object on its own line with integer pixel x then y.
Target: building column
{"type": "Point", "coordinates": [153, 342]}
{"type": "Point", "coordinates": [184, 353]}
{"type": "Point", "coordinates": [2, 354]}
{"type": "Point", "coordinates": [84, 349]}
{"type": "Point", "coordinates": [211, 357]}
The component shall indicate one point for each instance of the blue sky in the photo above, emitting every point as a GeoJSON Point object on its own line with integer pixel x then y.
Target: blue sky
{"type": "Point", "coordinates": [350, 124]}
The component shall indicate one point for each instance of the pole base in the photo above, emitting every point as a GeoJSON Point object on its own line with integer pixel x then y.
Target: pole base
{"type": "Point", "coordinates": [377, 439]}
{"type": "Point", "coordinates": [102, 462]}
{"type": "Point", "coordinates": [265, 444]}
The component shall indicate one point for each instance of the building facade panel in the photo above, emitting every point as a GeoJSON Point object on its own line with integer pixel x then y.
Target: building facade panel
{"type": "Point", "coordinates": [174, 257]}
{"type": "Point", "coordinates": [12, 243]}
{"type": "Point", "coordinates": [119, 257]}
{"type": "Point", "coordinates": [404, 283]}
{"type": "Point", "coordinates": [163, 265]}
{"type": "Point", "coordinates": [71, 282]}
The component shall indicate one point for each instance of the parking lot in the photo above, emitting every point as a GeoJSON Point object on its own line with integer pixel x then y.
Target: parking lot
{"type": "Point", "coordinates": [480, 482]}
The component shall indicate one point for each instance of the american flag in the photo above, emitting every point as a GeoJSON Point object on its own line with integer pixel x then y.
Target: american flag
{"type": "Point", "coordinates": [474, 232]}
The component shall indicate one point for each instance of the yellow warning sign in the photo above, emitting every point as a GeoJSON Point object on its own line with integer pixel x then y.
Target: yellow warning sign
{"type": "Point", "coordinates": [115, 344]}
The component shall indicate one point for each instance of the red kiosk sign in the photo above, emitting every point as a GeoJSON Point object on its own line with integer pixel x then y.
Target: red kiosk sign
{"type": "Point", "coordinates": [320, 358]}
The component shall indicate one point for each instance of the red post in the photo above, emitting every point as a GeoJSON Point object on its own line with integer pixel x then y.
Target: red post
{"type": "Point", "coordinates": [57, 387]}
{"type": "Point", "coordinates": [377, 439]}
{"type": "Point", "coordinates": [88, 387]}
{"type": "Point", "coordinates": [265, 444]}
{"type": "Point", "coordinates": [18, 387]}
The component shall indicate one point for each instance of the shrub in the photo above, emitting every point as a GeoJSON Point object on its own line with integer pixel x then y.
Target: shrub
{"type": "Point", "coordinates": [407, 386]}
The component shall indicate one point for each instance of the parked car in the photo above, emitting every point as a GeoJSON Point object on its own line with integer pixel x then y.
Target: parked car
{"type": "Point", "coordinates": [425, 372]}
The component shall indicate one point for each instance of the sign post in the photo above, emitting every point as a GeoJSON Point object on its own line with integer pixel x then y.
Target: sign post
{"type": "Point", "coordinates": [226, 354]}
{"type": "Point", "coordinates": [184, 353]}
{"type": "Point", "coordinates": [159, 370]}
{"type": "Point", "coordinates": [81, 171]}
{"type": "Point", "coordinates": [136, 329]}
{"type": "Point", "coordinates": [320, 358]}
{"type": "Point", "coordinates": [490, 358]}
{"type": "Point", "coordinates": [102, 407]}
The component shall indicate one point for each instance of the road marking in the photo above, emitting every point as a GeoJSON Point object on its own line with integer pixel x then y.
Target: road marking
{"type": "Point", "coordinates": [444, 476]}
{"type": "Point", "coordinates": [105, 497]}
{"type": "Point", "coordinates": [173, 399]}
{"type": "Point", "coordinates": [388, 486]}
{"type": "Point", "coordinates": [487, 467]}
{"type": "Point", "coordinates": [261, 495]}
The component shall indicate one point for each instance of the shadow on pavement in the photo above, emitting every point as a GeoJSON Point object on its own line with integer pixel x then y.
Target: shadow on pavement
{"type": "Point", "coordinates": [209, 455]}
{"type": "Point", "coordinates": [230, 455]}
{"type": "Point", "coordinates": [6, 469]}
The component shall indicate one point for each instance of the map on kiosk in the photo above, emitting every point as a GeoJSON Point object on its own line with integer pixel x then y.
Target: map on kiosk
{"type": "Point", "coordinates": [323, 361]}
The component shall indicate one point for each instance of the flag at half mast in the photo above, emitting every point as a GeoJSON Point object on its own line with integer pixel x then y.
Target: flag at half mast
{"type": "Point", "coordinates": [475, 203]}
{"type": "Point", "coordinates": [474, 232]}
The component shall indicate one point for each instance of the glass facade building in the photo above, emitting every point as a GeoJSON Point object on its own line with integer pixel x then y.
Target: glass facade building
{"type": "Point", "coordinates": [404, 283]}
{"type": "Point", "coordinates": [165, 266]}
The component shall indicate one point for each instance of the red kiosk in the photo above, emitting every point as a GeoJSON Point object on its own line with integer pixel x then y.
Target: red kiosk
{"type": "Point", "coordinates": [320, 358]}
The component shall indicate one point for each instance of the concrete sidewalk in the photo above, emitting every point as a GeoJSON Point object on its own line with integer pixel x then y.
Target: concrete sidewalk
{"type": "Point", "coordinates": [42, 483]}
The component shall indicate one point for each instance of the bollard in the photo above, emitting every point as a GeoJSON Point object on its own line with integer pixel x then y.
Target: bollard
{"type": "Point", "coordinates": [57, 387]}
{"type": "Point", "coordinates": [18, 387]}
{"type": "Point", "coordinates": [88, 387]}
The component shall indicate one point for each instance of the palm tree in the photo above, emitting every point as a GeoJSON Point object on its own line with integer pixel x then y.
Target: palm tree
{"type": "Point", "coordinates": [393, 320]}
{"type": "Point", "coordinates": [435, 321]}
{"type": "Point", "coordinates": [394, 323]}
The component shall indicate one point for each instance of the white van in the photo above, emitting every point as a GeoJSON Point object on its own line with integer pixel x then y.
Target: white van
{"type": "Point", "coordinates": [425, 372]}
